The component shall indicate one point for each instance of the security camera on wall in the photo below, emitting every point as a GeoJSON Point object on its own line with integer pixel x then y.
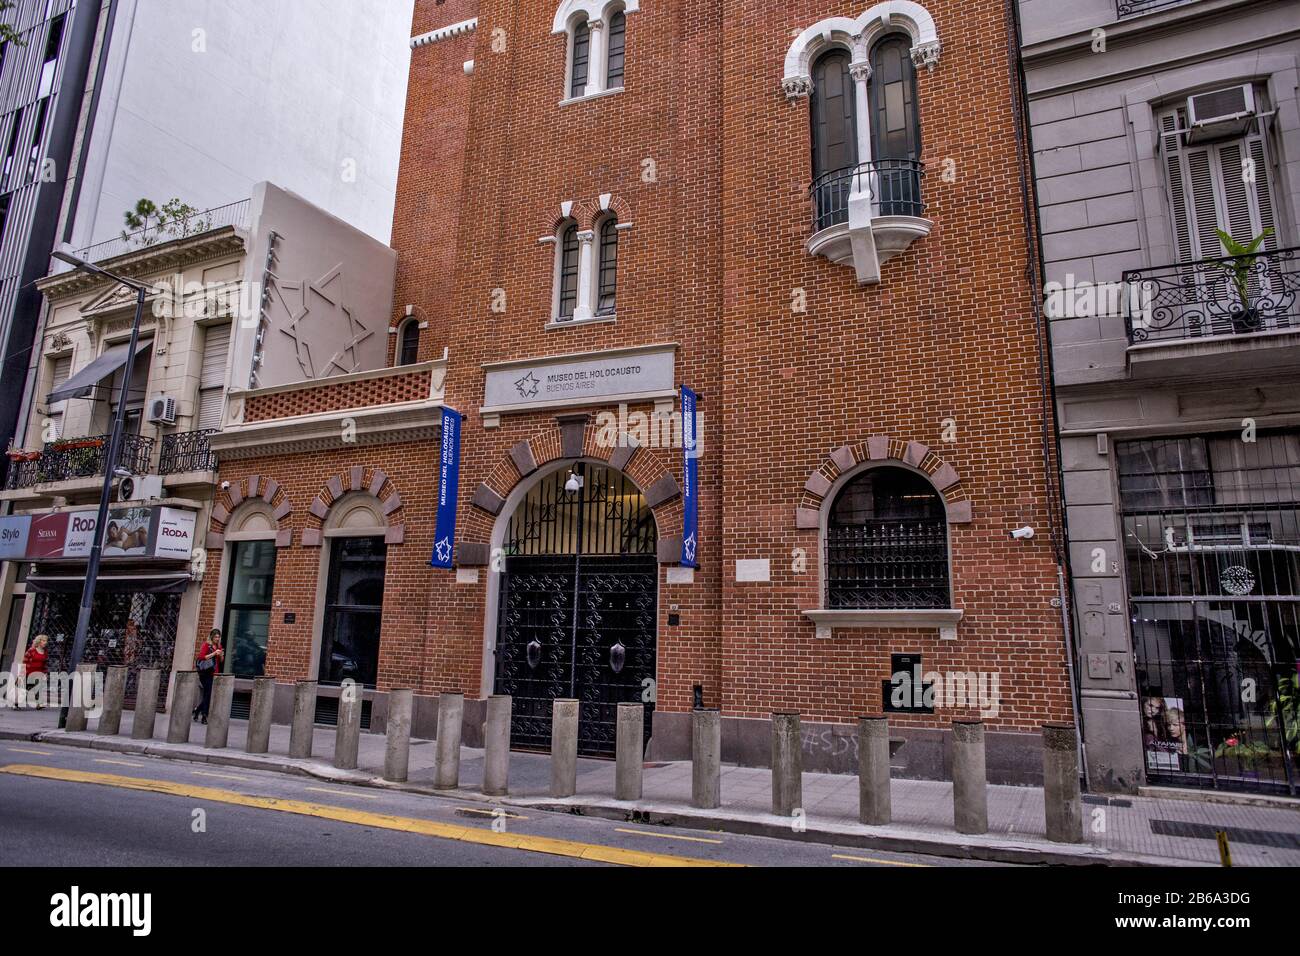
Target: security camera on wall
{"type": "Point", "coordinates": [1023, 534]}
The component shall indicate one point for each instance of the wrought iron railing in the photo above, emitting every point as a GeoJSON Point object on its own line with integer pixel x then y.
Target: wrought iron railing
{"type": "Point", "coordinates": [78, 458]}
{"type": "Point", "coordinates": [1131, 8]}
{"type": "Point", "coordinates": [894, 186]}
{"type": "Point", "coordinates": [884, 563]}
{"type": "Point", "coordinates": [234, 214]}
{"type": "Point", "coordinates": [187, 451]}
{"type": "Point", "coordinates": [1225, 296]}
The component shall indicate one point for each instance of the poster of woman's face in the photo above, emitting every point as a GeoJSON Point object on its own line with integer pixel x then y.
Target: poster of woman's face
{"type": "Point", "coordinates": [127, 533]}
{"type": "Point", "coordinates": [1164, 729]}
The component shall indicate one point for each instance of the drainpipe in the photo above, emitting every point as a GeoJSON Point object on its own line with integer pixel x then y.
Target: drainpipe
{"type": "Point", "coordinates": [1050, 440]}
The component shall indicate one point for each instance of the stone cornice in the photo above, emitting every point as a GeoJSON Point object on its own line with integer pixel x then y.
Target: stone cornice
{"type": "Point", "coordinates": [141, 263]}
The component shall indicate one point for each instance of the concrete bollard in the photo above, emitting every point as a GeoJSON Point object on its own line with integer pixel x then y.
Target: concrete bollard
{"type": "Point", "coordinates": [397, 749]}
{"type": "Point", "coordinates": [303, 727]}
{"type": "Point", "coordinates": [347, 735]}
{"type": "Point", "coordinates": [451, 712]}
{"type": "Point", "coordinates": [185, 697]}
{"type": "Point", "coordinates": [110, 719]}
{"type": "Point", "coordinates": [223, 692]}
{"type": "Point", "coordinates": [1061, 801]}
{"type": "Point", "coordinates": [787, 764]}
{"type": "Point", "coordinates": [259, 716]}
{"type": "Point", "coordinates": [147, 683]}
{"type": "Point", "coordinates": [970, 794]}
{"type": "Point", "coordinates": [76, 720]}
{"type": "Point", "coordinates": [629, 759]}
{"type": "Point", "coordinates": [706, 758]}
{"type": "Point", "coordinates": [874, 805]}
{"type": "Point", "coordinates": [564, 747]}
{"type": "Point", "coordinates": [496, 746]}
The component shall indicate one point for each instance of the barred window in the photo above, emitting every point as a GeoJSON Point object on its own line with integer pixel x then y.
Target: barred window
{"type": "Point", "coordinates": [408, 345]}
{"type": "Point", "coordinates": [887, 543]}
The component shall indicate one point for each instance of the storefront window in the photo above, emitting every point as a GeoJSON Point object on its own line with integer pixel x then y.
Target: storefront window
{"type": "Point", "coordinates": [353, 611]}
{"type": "Point", "coordinates": [248, 606]}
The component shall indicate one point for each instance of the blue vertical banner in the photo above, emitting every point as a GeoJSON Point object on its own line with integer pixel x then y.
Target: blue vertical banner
{"type": "Point", "coordinates": [444, 535]}
{"type": "Point", "coordinates": [691, 473]}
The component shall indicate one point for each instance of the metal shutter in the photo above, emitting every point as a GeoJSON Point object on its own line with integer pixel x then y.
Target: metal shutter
{"type": "Point", "coordinates": [212, 376]}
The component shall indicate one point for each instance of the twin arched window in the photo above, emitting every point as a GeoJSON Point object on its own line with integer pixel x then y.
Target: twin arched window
{"type": "Point", "coordinates": [596, 62]}
{"type": "Point", "coordinates": [586, 280]}
{"type": "Point", "coordinates": [879, 153]}
{"type": "Point", "coordinates": [887, 543]}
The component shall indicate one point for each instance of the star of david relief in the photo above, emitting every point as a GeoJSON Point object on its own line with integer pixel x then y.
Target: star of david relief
{"type": "Point", "coordinates": [528, 385]}
{"type": "Point", "coordinates": [320, 323]}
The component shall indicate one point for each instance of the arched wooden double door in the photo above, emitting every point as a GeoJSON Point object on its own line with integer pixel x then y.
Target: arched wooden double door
{"type": "Point", "coordinates": [577, 607]}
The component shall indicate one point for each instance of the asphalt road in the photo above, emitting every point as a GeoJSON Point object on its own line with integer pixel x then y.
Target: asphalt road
{"type": "Point", "coordinates": [140, 811]}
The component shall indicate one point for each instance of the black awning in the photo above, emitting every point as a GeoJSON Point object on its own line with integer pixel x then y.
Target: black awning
{"type": "Point", "coordinates": [173, 583]}
{"type": "Point", "coordinates": [82, 384]}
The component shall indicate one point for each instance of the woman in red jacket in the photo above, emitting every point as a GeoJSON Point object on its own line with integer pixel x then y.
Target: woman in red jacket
{"type": "Point", "coordinates": [208, 664]}
{"type": "Point", "coordinates": [36, 661]}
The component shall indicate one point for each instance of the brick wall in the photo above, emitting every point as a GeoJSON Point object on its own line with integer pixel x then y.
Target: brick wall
{"type": "Point", "coordinates": [332, 397]}
{"type": "Point", "coordinates": [712, 263]}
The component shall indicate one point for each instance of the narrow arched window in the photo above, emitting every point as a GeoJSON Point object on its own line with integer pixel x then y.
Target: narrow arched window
{"type": "Point", "coordinates": [617, 43]}
{"type": "Point", "coordinates": [566, 281]}
{"type": "Point", "coordinates": [408, 342]}
{"type": "Point", "coordinates": [579, 58]}
{"type": "Point", "coordinates": [834, 137]}
{"type": "Point", "coordinates": [896, 127]}
{"type": "Point", "coordinates": [607, 284]}
{"type": "Point", "coordinates": [887, 543]}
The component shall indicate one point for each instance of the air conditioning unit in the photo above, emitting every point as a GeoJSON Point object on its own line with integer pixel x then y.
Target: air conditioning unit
{"type": "Point", "coordinates": [162, 410]}
{"type": "Point", "coordinates": [1220, 113]}
{"type": "Point", "coordinates": [139, 488]}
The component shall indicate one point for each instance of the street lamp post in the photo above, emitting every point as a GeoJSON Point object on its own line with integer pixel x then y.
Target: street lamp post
{"type": "Point", "coordinates": [111, 456]}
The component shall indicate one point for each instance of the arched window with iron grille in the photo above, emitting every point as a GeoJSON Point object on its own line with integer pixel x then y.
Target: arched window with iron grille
{"type": "Point", "coordinates": [408, 342]}
{"type": "Point", "coordinates": [887, 543]}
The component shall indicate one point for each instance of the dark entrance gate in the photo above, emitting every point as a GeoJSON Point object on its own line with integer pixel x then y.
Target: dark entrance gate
{"type": "Point", "coordinates": [578, 607]}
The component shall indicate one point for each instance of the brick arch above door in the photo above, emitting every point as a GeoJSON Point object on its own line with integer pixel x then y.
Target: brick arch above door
{"type": "Point", "coordinates": [357, 479]}
{"type": "Point", "coordinates": [573, 437]}
{"type": "Point", "coordinates": [253, 488]}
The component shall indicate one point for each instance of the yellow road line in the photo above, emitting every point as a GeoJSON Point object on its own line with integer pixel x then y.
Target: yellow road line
{"type": "Point", "coordinates": [223, 776]}
{"type": "Point", "coordinates": [872, 859]}
{"type": "Point", "coordinates": [120, 763]}
{"type": "Point", "coordinates": [667, 836]}
{"type": "Point", "coordinates": [343, 793]}
{"type": "Point", "coordinates": [445, 831]}
{"type": "Point", "coordinates": [21, 750]}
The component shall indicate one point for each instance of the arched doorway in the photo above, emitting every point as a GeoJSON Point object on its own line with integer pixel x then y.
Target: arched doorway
{"type": "Point", "coordinates": [577, 606]}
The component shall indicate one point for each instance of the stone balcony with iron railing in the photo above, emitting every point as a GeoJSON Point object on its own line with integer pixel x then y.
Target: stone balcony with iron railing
{"type": "Point", "coordinates": [75, 458]}
{"type": "Point", "coordinates": [866, 214]}
{"type": "Point", "coordinates": [1214, 315]}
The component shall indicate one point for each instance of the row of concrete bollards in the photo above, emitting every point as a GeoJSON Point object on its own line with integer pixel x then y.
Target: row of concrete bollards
{"type": "Point", "coordinates": [1062, 799]}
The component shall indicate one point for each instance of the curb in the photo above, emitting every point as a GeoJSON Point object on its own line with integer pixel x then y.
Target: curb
{"type": "Point", "coordinates": [894, 839]}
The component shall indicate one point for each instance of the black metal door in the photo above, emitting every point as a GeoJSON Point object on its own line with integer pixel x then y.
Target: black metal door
{"type": "Point", "coordinates": [603, 655]}
{"type": "Point", "coordinates": [579, 625]}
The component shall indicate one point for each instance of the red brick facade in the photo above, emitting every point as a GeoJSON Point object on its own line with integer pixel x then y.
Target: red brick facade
{"type": "Point", "coordinates": [707, 165]}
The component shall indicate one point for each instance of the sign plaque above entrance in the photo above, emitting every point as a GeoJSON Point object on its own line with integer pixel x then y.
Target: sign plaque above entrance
{"type": "Point", "coordinates": [591, 378]}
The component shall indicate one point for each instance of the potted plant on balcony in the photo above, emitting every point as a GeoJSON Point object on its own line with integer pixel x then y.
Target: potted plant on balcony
{"type": "Point", "coordinates": [1241, 260]}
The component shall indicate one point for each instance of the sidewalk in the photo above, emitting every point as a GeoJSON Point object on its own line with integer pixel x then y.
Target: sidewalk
{"type": "Point", "coordinates": [1144, 830]}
